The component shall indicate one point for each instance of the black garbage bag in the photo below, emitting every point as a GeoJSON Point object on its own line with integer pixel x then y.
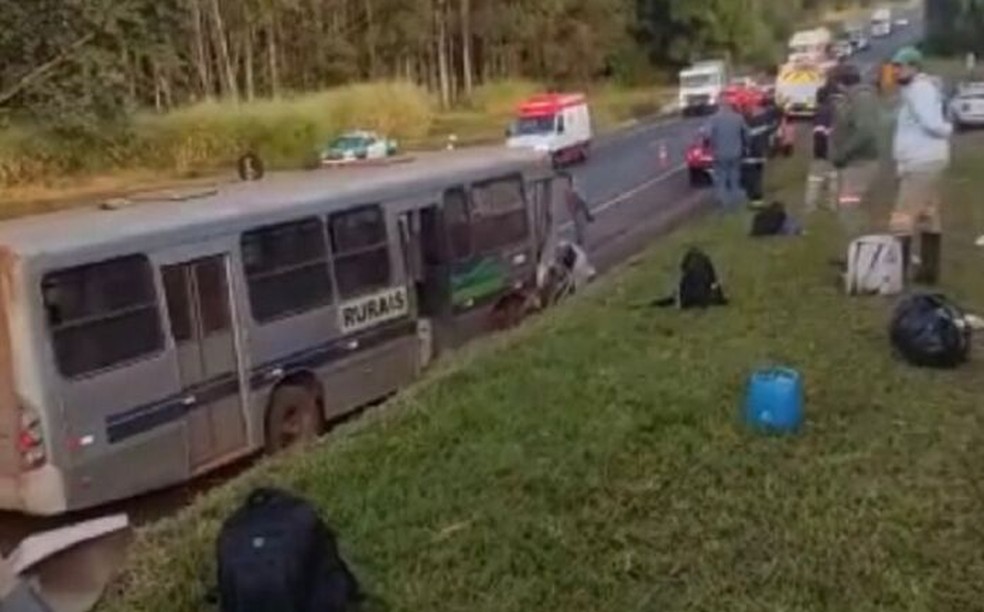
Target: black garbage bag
{"type": "Point", "coordinates": [928, 330]}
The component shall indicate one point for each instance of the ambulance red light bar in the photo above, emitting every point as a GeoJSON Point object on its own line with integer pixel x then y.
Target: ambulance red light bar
{"type": "Point", "coordinates": [545, 105]}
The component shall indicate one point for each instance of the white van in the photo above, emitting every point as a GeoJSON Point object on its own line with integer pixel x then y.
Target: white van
{"type": "Point", "coordinates": [556, 123]}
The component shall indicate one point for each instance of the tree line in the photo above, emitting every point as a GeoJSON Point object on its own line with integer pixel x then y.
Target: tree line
{"type": "Point", "coordinates": [955, 26]}
{"type": "Point", "coordinates": [79, 62]}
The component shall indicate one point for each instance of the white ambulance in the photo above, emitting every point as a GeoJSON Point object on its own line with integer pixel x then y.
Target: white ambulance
{"type": "Point", "coordinates": [558, 124]}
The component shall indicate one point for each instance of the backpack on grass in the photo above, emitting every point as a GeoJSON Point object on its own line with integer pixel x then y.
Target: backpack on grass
{"type": "Point", "coordinates": [773, 220]}
{"type": "Point", "coordinates": [927, 330]}
{"type": "Point", "coordinates": [698, 286]}
{"type": "Point", "coordinates": [275, 554]}
{"type": "Point", "coordinates": [874, 266]}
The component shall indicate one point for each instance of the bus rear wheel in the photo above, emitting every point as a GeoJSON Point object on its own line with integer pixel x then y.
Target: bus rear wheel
{"type": "Point", "coordinates": [294, 418]}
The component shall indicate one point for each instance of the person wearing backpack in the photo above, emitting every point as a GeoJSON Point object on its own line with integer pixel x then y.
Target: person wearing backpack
{"type": "Point", "coordinates": [921, 151]}
{"type": "Point", "coordinates": [854, 145]}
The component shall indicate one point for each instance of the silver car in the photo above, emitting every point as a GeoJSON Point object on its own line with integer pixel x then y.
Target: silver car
{"type": "Point", "coordinates": [967, 106]}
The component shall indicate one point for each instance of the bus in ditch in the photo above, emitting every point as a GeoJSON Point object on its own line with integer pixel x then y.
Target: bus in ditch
{"type": "Point", "coordinates": [145, 343]}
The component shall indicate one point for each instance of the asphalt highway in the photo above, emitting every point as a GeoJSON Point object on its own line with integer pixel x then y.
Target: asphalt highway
{"type": "Point", "coordinates": [637, 193]}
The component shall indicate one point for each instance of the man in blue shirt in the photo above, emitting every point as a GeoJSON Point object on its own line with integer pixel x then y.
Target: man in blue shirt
{"type": "Point", "coordinates": [727, 135]}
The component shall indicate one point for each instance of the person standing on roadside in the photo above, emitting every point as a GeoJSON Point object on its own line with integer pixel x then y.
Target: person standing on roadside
{"type": "Point", "coordinates": [727, 135]}
{"type": "Point", "coordinates": [821, 181]}
{"type": "Point", "coordinates": [854, 147]}
{"type": "Point", "coordinates": [921, 151]}
{"type": "Point", "coordinates": [578, 210]}
{"type": "Point", "coordinates": [759, 125]}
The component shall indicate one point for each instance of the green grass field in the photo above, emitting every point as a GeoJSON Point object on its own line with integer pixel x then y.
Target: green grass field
{"type": "Point", "coordinates": [595, 459]}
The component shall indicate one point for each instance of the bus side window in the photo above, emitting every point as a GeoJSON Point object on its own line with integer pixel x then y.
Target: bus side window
{"type": "Point", "coordinates": [178, 302]}
{"type": "Point", "coordinates": [457, 219]}
{"type": "Point", "coordinates": [540, 193]}
{"type": "Point", "coordinates": [102, 315]}
{"type": "Point", "coordinates": [360, 250]}
{"type": "Point", "coordinates": [498, 214]}
{"type": "Point", "coordinates": [432, 243]}
{"type": "Point", "coordinates": [286, 267]}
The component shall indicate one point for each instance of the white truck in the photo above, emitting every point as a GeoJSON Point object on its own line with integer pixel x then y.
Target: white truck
{"type": "Point", "coordinates": [811, 46]}
{"type": "Point", "coordinates": [701, 85]}
{"type": "Point", "coordinates": [881, 23]}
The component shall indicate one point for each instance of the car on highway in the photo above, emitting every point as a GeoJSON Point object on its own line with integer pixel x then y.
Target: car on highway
{"type": "Point", "coordinates": [843, 48]}
{"type": "Point", "coordinates": [902, 22]}
{"type": "Point", "coordinates": [859, 39]}
{"type": "Point", "coordinates": [358, 145]}
{"type": "Point", "coordinates": [700, 161]}
{"type": "Point", "coordinates": [967, 106]}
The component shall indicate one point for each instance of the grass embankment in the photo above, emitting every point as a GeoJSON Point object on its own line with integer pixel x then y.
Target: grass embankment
{"type": "Point", "coordinates": [594, 460]}
{"type": "Point", "coordinates": [209, 137]}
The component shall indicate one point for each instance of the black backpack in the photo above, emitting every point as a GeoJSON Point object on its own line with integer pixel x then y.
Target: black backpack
{"type": "Point", "coordinates": [275, 554]}
{"type": "Point", "coordinates": [698, 286]}
{"type": "Point", "coordinates": [770, 221]}
{"type": "Point", "coordinates": [927, 330]}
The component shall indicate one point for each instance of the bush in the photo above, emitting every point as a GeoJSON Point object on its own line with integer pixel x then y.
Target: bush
{"type": "Point", "coordinates": [501, 97]}
{"type": "Point", "coordinates": [207, 135]}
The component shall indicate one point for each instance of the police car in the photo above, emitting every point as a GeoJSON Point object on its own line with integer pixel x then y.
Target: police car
{"type": "Point", "coordinates": [967, 106]}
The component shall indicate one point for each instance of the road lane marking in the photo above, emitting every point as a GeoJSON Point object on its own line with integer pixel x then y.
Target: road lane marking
{"type": "Point", "coordinates": [868, 67]}
{"type": "Point", "coordinates": [625, 195]}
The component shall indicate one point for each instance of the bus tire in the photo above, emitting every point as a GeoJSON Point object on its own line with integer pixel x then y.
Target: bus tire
{"type": "Point", "coordinates": [294, 418]}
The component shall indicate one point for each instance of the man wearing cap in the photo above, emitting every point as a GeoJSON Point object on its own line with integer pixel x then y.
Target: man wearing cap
{"type": "Point", "coordinates": [922, 153]}
{"type": "Point", "coordinates": [854, 145]}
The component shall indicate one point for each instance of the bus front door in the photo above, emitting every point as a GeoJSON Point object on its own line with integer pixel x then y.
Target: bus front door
{"type": "Point", "coordinates": [203, 327]}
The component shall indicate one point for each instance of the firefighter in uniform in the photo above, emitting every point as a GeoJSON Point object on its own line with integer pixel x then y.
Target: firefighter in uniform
{"type": "Point", "coordinates": [760, 128]}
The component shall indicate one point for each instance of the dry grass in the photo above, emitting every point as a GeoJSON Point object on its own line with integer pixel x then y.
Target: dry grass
{"type": "Point", "coordinates": [202, 141]}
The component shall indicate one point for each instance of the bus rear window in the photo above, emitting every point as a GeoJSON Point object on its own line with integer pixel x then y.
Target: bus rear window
{"type": "Point", "coordinates": [102, 315]}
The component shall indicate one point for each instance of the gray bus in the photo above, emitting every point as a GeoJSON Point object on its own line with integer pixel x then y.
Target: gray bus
{"type": "Point", "coordinates": [145, 343]}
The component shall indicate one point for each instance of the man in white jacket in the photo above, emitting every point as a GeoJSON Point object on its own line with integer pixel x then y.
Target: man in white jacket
{"type": "Point", "coordinates": [922, 154]}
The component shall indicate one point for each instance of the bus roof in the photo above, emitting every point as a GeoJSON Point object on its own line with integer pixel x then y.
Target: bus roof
{"type": "Point", "coordinates": [199, 214]}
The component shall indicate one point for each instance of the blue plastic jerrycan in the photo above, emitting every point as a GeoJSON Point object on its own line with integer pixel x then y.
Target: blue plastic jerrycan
{"type": "Point", "coordinates": [774, 400]}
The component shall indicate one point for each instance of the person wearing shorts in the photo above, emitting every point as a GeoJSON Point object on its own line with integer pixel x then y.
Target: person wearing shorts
{"type": "Point", "coordinates": [922, 154]}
